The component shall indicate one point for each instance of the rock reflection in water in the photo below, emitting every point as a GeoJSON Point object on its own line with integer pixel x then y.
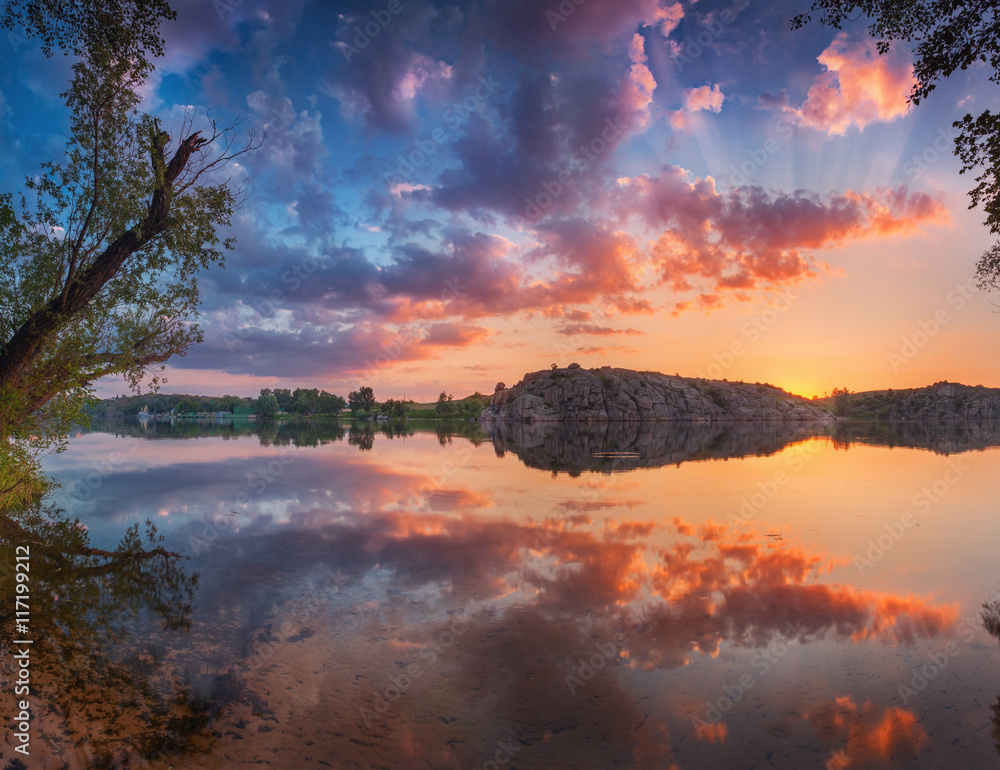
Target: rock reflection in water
{"type": "Point", "coordinates": [362, 610]}
{"type": "Point", "coordinates": [614, 446]}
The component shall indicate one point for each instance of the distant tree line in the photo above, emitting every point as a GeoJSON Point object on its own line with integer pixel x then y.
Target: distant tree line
{"type": "Point", "coordinates": [361, 403]}
{"type": "Point", "coordinates": [465, 409]}
{"type": "Point", "coordinates": [162, 403]}
{"type": "Point", "coordinates": [300, 401]}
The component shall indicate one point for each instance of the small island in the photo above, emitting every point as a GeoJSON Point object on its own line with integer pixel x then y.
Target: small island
{"type": "Point", "coordinates": [575, 394]}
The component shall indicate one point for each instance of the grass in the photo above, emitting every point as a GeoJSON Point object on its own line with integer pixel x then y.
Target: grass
{"type": "Point", "coordinates": [19, 488]}
{"type": "Point", "coordinates": [432, 405]}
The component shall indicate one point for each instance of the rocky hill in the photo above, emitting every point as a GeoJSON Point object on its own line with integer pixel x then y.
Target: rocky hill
{"type": "Point", "coordinates": [575, 394]}
{"type": "Point", "coordinates": [940, 401]}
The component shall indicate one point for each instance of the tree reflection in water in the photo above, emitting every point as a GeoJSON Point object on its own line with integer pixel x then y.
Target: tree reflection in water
{"type": "Point", "coordinates": [991, 622]}
{"type": "Point", "coordinates": [101, 691]}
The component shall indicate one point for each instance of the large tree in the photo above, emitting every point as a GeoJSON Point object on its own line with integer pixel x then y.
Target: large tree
{"type": "Point", "coordinates": [362, 400]}
{"type": "Point", "coordinates": [945, 36]}
{"type": "Point", "coordinates": [131, 28]}
{"type": "Point", "coordinates": [101, 256]}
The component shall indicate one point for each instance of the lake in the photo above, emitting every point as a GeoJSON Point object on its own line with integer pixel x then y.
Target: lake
{"type": "Point", "coordinates": [434, 596]}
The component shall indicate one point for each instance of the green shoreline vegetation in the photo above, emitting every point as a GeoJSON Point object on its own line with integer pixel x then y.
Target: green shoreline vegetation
{"type": "Point", "coordinates": [284, 402]}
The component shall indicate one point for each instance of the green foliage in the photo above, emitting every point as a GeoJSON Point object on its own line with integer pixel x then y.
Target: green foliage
{"type": "Point", "coordinates": [20, 482]}
{"type": "Point", "coordinates": [130, 28]}
{"type": "Point", "coordinates": [467, 408]}
{"type": "Point", "coordinates": [945, 36]}
{"type": "Point", "coordinates": [266, 405]}
{"type": "Point", "coordinates": [189, 405]}
{"type": "Point", "coordinates": [840, 401]}
{"type": "Point", "coordinates": [978, 147]}
{"type": "Point", "coordinates": [988, 269]}
{"type": "Point", "coordinates": [89, 657]}
{"type": "Point", "coordinates": [312, 401]}
{"type": "Point", "coordinates": [445, 407]}
{"type": "Point", "coordinates": [328, 403]}
{"type": "Point", "coordinates": [362, 400]}
{"type": "Point", "coordinates": [716, 396]}
{"type": "Point", "coordinates": [100, 262]}
{"type": "Point", "coordinates": [912, 404]}
{"type": "Point", "coordinates": [393, 408]}
{"type": "Point", "coordinates": [284, 398]}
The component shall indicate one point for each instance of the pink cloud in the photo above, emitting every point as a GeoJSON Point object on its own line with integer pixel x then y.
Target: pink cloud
{"type": "Point", "coordinates": [668, 17]}
{"type": "Point", "coordinates": [704, 98]}
{"type": "Point", "coordinates": [858, 88]}
{"type": "Point", "coordinates": [751, 239]}
{"type": "Point", "coordinates": [707, 98]}
{"type": "Point", "coordinates": [637, 88]}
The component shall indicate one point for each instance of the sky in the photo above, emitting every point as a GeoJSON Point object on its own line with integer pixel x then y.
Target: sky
{"type": "Point", "coordinates": [450, 195]}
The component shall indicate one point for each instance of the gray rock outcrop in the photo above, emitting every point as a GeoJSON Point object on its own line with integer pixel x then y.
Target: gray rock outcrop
{"type": "Point", "coordinates": [575, 394]}
{"type": "Point", "coordinates": [940, 401]}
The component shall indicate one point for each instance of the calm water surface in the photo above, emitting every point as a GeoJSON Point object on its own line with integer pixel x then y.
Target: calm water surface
{"type": "Point", "coordinates": [438, 597]}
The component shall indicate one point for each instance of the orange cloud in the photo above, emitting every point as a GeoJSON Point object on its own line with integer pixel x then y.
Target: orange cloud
{"type": "Point", "coordinates": [711, 586]}
{"type": "Point", "coordinates": [711, 732]}
{"type": "Point", "coordinates": [455, 335]}
{"type": "Point", "coordinates": [748, 238]}
{"type": "Point", "coordinates": [594, 329]}
{"type": "Point", "coordinates": [865, 733]}
{"type": "Point", "coordinates": [858, 88]}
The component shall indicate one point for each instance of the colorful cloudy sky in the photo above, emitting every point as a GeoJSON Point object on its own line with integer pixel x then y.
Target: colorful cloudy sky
{"type": "Point", "coordinates": [487, 187]}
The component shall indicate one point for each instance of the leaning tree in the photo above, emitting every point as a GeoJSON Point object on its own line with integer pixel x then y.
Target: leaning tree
{"type": "Point", "coordinates": [101, 250]}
